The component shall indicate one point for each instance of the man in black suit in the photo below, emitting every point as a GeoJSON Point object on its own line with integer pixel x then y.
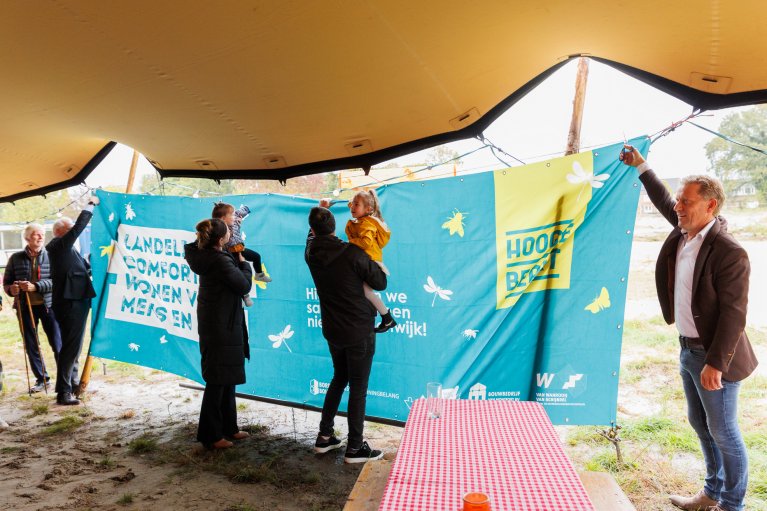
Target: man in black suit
{"type": "Point", "coordinates": [72, 293]}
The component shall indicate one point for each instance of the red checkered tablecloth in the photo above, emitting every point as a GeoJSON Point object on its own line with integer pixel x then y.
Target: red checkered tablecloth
{"type": "Point", "coordinates": [506, 449]}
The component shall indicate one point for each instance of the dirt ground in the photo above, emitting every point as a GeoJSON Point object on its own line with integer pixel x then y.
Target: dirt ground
{"type": "Point", "coordinates": [131, 446]}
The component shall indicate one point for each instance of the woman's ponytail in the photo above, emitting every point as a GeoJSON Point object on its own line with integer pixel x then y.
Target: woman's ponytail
{"type": "Point", "coordinates": [210, 232]}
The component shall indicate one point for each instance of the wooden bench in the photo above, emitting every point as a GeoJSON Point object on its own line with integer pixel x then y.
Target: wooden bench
{"type": "Point", "coordinates": [369, 488]}
{"type": "Point", "coordinates": [604, 492]}
{"type": "Point", "coordinates": [368, 491]}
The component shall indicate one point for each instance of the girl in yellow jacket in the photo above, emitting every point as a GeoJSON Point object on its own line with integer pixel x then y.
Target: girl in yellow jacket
{"type": "Point", "coordinates": [367, 230]}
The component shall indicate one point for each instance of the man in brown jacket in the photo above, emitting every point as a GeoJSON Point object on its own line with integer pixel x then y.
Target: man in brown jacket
{"type": "Point", "coordinates": [702, 280]}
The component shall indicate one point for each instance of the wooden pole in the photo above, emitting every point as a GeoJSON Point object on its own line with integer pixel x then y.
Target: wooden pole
{"type": "Point", "coordinates": [132, 172]}
{"type": "Point", "coordinates": [85, 377]}
{"type": "Point", "coordinates": [574, 136]}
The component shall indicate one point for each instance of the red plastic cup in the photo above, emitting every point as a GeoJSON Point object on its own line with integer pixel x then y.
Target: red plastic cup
{"type": "Point", "coordinates": [476, 501]}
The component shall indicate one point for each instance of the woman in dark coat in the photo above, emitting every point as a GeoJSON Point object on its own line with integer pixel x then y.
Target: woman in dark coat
{"type": "Point", "coordinates": [221, 325]}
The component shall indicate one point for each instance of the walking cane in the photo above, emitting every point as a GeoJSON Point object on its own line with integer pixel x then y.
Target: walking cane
{"type": "Point", "coordinates": [37, 339]}
{"type": "Point", "coordinates": [23, 344]}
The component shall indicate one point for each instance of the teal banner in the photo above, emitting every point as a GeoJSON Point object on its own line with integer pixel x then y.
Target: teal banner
{"type": "Point", "coordinates": [505, 285]}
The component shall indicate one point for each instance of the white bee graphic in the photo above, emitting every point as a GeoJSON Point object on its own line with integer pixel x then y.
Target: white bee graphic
{"type": "Point", "coordinates": [129, 213]}
{"type": "Point", "coordinates": [469, 334]}
{"type": "Point", "coordinates": [133, 346]}
{"type": "Point", "coordinates": [431, 287]}
{"type": "Point", "coordinates": [282, 338]}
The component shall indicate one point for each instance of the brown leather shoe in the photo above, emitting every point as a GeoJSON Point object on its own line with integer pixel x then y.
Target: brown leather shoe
{"type": "Point", "coordinates": [698, 502]}
{"type": "Point", "coordinates": [222, 444]}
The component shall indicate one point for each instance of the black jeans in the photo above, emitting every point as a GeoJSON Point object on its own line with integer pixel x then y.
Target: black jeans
{"type": "Point", "coordinates": [72, 316]}
{"type": "Point", "coordinates": [218, 414]}
{"type": "Point", "coordinates": [44, 315]}
{"type": "Point", "coordinates": [254, 257]}
{"type": "Point", "coordinates": [351, 365]}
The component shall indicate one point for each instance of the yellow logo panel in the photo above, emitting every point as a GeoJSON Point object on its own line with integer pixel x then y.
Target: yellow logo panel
{"type": "Point", "coordinates": [538, 209]}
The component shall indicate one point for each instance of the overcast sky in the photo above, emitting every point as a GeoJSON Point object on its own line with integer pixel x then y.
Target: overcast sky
{"type": "Point", "coordinates": [536, 127]}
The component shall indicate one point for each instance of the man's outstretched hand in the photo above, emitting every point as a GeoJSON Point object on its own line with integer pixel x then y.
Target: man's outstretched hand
{"type": "Point", "coordinates": [630, 156]}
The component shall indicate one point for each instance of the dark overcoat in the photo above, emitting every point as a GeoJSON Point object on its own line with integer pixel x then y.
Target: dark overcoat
{"type": "Point", "coordinates": [220, 316]}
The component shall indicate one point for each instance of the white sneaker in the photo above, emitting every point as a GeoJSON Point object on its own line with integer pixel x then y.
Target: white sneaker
{"type": "Point", "coordinates": [248, 302]}
{"type": "Point", "coordinates": [262, 277]}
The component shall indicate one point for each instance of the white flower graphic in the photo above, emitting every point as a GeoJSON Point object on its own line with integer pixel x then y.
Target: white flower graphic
{"type": "Point", "coordinates": [469, 333]}
{"type": "Point", "coordinates": [129, 213]}
{"type": "Point", "coordinates": [133, 346]}
{"type": "Point", "coordinates": [580, 176]}
{"type": "Point", "coordinates": [431, 287]}
{"type": "Point", "coordinates": [282, 338]}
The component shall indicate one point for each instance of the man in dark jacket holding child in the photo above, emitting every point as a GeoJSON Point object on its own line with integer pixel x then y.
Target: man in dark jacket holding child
{"type": "Point", "coordinates": [348, 321]}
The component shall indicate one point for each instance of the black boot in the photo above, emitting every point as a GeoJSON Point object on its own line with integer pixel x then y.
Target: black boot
{"type": "Point", "coordinates": [386, 323]}
{"type": "Point", "coordinates": [66, 398]}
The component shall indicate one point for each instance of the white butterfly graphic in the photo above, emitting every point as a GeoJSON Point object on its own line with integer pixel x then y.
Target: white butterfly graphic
{"type": "Point", "coordinates": [431, 287]}
{"type": "Point", "coordinates": [163, 340]}
{"type": "Point", "coordinates": [129, 213]}
{"type": "Point", "coordinates": [282, 338]}
{"type": "Point", "coordinates": [133, 346]}
{"type": "Point", "coordinates": [112, 216]}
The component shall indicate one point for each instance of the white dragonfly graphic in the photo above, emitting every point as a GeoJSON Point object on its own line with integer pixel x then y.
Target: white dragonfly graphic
{"type": "Point", "coordinates": [431, 287]}
{"type": "Point", "coordinates": [282, 338]}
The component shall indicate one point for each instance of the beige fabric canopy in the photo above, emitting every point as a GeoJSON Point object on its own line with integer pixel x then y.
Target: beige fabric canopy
{"type": "Point", "coordinates": [275, 89]}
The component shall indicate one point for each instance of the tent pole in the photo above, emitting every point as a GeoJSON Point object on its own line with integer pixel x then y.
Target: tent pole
{"type": "Point", "coordinates": [574, 136]}
{"type": "Point", "coordinates": [85, 377]}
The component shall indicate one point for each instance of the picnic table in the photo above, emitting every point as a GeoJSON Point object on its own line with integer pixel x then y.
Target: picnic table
{"type": "Point", "coordinates": [506, 449]}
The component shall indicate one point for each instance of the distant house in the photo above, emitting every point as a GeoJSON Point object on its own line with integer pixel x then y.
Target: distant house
{"type": "Point", "coordinates": [12, 240]}
{"type": "Point", "coordinates": [743, 196]}
{"type": "Point", "coordinates": [645, 204]}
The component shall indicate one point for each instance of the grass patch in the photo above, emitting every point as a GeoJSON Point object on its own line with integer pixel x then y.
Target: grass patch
{"type": "Point", "coordinates": [262, 473]}
{"type": "Point", "coordinates": [650, 332]}
{"type": "Point", "coordinates": [126, 499]}
{"type": "Point", "coordinates": [607, 461]}
{"type": "Point", "coordinates": [672, 436]}
{"type": "Point", "coordinates": [143, 445]}
{"type": "Point", "coordinates": [107, 462]}
{"type": "Point", "coordinates": [63, 425]}
{"type": "Point", "coordinates": [39, 409]}
{"type": "Point", "coordinates": [10, 450]}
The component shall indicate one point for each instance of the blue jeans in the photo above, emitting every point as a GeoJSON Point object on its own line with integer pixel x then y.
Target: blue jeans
{"type": "Point", "coordinates": [713, 414]}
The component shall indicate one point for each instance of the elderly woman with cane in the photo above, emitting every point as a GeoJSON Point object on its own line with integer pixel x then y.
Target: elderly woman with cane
{"type": "Point", "coordinates": [224, 280]}
{"type": "Point", "coordinates": [28, 279]}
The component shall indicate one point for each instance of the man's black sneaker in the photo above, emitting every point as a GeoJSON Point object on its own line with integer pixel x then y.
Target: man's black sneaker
{"type": "Point", "coordinates": [363, 454]}
{"type": "Point", "coordinates": [322, 445]}
{"type": "Point", "coordinates": [386, 323]}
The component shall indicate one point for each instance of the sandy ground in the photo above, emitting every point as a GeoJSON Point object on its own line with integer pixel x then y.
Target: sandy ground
{"type": "Point", "coordinates": [96, 465]}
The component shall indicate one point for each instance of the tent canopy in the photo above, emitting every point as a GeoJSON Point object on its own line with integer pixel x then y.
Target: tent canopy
{"type": "Point", "coordinates": [271, 90]}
